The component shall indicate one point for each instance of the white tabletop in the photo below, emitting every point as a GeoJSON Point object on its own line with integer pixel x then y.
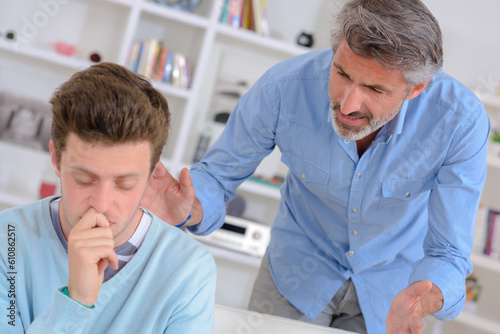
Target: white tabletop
{"type": "Point", "coordinates": [230, 321]}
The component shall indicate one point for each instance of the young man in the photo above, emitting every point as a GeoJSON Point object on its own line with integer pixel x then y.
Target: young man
{"type": "Point", "coordinates": [92, 260]}
{"type": "Point", "coordinates": [376, 219]}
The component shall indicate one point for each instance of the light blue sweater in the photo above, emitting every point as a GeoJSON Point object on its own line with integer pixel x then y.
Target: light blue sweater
{"type": "Point", "coordinates": [167, 287]}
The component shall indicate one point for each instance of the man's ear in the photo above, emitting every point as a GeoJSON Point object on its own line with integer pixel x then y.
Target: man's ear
{"type": "Point", "coordinates": [53, 158]}
{"type": "Point", "coordinates": [417, 89]}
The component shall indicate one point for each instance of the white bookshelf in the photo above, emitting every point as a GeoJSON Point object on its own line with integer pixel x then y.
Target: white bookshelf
{"type": "Point", "coordinates": [113, 25]}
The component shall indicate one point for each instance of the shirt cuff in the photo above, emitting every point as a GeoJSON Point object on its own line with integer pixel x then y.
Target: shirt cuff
{"type": "Point", "coordinates": [212, 201]}
{"type": "Point", "coordinates": [449, 281]}
{"type": "Point", "coordinates": [66, 292]}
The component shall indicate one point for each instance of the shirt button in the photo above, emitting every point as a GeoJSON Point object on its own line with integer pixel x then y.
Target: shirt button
{"type": "Point", "coordinates": [358, 175]}
{"type": "Point", "coordinates": [302, 176]}
{"type": "Point", "coordinates": [354, 232]}
{"type": "Point", "coordinates": [354, 210]}
{"type": "Point", "coordinates": [407, 195]}
{"type": "Point", "coordinates": [351, 253]}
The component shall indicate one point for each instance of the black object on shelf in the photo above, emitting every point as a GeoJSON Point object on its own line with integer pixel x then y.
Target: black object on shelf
{"type": "Point", "coordinates": [10, 35]}
{"type": "Point", "coordinates": [305, 39]}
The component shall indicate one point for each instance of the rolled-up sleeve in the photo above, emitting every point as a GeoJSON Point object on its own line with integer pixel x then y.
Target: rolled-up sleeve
{"type": "Point", "coordinates": [248, 137]}
{"type": "Point", "coordinates": [452, 211]}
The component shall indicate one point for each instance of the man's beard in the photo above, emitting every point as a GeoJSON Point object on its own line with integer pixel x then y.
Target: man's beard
{"type": "Point", "coordinates": [350, 132]}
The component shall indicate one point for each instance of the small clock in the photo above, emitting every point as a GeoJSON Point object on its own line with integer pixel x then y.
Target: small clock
{"type": "Point", "coordinates": [187, 5]}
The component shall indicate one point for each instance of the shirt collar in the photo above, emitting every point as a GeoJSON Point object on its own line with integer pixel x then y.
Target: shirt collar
{"type": "Point", "coordinates": [395, 126]}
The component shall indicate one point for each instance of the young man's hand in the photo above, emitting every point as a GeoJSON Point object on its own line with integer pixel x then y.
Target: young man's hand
{"type": "Point", "coordinates": [90, 251]}
{"type": "Point", "coordinates": [410, 305]}
{"type": "Point", "coordinates": [172, 200]}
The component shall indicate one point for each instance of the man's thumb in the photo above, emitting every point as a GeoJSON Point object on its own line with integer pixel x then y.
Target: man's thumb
{"type": "Point", "coordinates": [418, 289]}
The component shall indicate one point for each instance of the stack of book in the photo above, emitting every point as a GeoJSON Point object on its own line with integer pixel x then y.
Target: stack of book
{"type": "Point", "coordinates": [154, 60]}
{"type": "Point", "coordinates": [487, 233]}
{"type": "Point", "coordinates": [246, 14]}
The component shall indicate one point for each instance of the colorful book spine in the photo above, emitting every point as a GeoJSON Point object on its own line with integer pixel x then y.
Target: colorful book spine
{"type": "Point", "coordinates": [156, 61]}
{"type": "Point", "coordinates": [162, 59]}
{"type": "Point", "coordinates": [264, 20]}
{"type": "Point", "coordinates": [251, 18]}
{"type": "Point", "coordinates": [169, 66]}
{"type": "Point", "coordinates": [225, 12]}
{"type": "Point", "coordinates": [236, 8]}
{"type": "Point", "coordinates": [480, 229]}
{"type": "Point", "coordinates": [257, 16]}
{"type": "Point", "coordinates": [154, 50]}
{"type": "Point", "coordinates": [134, 55]}
{"type": "Point", "coordinates": [495, 238]}
{"type": "Point", "coordinates": [245, 14]}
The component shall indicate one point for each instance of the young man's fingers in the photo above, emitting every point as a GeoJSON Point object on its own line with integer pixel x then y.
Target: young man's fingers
{"type": "Point", "coordinates": [91, 219]}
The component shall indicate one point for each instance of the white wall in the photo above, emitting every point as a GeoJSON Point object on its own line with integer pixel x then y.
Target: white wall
{"type": "Point", "coordinates": [471, 40]}
{"type": "Point", "coordinates": [471, 30]}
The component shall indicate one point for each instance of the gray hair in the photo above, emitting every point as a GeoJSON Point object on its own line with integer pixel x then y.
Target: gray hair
{"type": "Point", "coordinates": [399, 34]}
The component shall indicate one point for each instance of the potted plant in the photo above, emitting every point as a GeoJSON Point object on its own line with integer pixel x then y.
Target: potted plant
{"type": "Point", "coordinates": [495, 143]}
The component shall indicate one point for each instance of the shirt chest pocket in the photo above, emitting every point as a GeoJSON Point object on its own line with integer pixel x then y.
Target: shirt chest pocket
{"type": "Point", "coordinates": [312, 176]}
{"type": "Point", "coordinates": [401, 192]}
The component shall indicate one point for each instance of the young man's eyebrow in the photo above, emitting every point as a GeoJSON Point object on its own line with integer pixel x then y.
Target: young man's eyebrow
{"type": "Point", "coordinates": [94, 175]}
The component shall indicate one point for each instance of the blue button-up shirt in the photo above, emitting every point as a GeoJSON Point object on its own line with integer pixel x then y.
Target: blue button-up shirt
{"type": "Point", "coordinates": [402, 212]}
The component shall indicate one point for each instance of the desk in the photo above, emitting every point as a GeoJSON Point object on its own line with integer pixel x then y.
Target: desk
{"type": "Point", "coordinates": [235, 321]}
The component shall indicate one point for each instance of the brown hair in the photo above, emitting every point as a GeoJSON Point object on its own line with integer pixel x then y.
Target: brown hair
{"type": "Point", "coordinates": [399, 34]}
{"type": "Point", "coordinates": [108, 104]}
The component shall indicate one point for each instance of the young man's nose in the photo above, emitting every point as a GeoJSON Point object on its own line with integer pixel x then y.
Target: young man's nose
{"type": "Point", "coordinates": [102, 198]}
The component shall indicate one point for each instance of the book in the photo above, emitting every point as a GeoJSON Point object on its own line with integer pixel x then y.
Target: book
{"type": "Point", "coordinates": [251, 19]}
{"type": "Point", "coordinates": [494, 238]}
{"type": "Point", "coordinates": [160, 68]}
{"type": "Point", "coordinates": [235, 16]}
{"type": "Point", "coordinates": [245, 14]}
{"type": "Point", "coordinates": [176, 71]}
{"type": "Point", "coordinates": [169, 66]}
{"type": "Point", "coordinates": [491, 226]}
{"type": "Point", "coordinates": [188, 73]}
{"type": "Point", "coordinates": [264, 20]}
{"type": "Point", "coordinates": [257, 16]}
{"type": "Point", "coordinates": [133, 56]}
{"type": "Point", "coordinates": [151, 57]}
{"type": "Point", "coordinates": [480, 229]}
{"type": "Point", "coordinates": [145, 58]}
{"type": "Point", "coordinates": [224, 12]}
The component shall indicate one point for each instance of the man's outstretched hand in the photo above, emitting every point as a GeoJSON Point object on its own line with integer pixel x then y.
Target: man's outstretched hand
{"type": "Point", "coordinates": [169, 199]}
{"type": "Point", "coordinates": [410, 305]}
